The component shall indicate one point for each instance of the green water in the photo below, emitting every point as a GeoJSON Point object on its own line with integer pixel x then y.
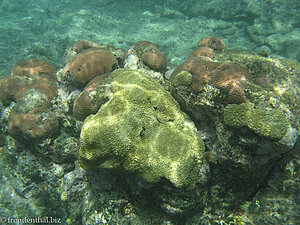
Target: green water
{"type": "Point", "coordinates": [45, 28]}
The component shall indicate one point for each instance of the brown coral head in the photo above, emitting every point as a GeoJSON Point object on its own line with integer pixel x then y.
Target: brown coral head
{"type": "Point", "coordinates": [150, 55]}
{"type": "Point", "coordinates": [155, 60]}
{"type": "Point", "coordinates": [217, 44]}
{"type": "Point", "coordinates": [28, 126]}
{"type": "Point", "coordinates": [229, 77]}
{"type": "Point", "coordinates": [85, 103]}
{"type": "Point", "coordinates": [39, 88]}
{"type": "Point", "coordinates": [82, 45]}
{"type": "Point", "coordinates": [34, 67]}
{"type": "Point", "coordinates": [140, 47]}
{"type": "Point", "coordinates": [89, 64]}
{"type": "Point", "coordinates": [226, 76]}
{"type": "Point", "coordinates": [10, 87]}
{"type": "Point", "coordinates": [14, 88]}
{"type": "Point", "coordinates": [203, 52]}
{"type": "Point", "coordinates": [236, 94]}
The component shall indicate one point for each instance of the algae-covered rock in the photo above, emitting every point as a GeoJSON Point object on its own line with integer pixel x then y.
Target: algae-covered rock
{"type": "Point", "coordinates": [278, 79]}
{"type": "Point", "coordinates": [270, 123]}
{"type": "Point", "coordinates": [141, 129]}
{"type": "Point", "coordinates": [183, 78]}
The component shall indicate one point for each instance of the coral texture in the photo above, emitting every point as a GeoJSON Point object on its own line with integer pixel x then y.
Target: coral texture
{"type": "Point", "coordinates": [32, 125]}
{"type": "Point", "coordinates": [226, 76]}
{"type": "Point", "coordinates": [17, 88]}
{"type": "Point", "coordinates": [30, 118]}
{"type": "Point", "coordinates": [87, 102]}
{"type": "Point", "coordinates": [89, 64]}
{"type": "Point", "coordinates": [141, 129]}
{"type": "Point", "coordinates": [82, 45]}
{"type": "Point", "coordinates": [149, 54]}
{"type": "Point", "coordinates": [203, 52]}
{"type": "Point", "coordinates": [268, 123]}
{"type": "Point", "coordinates": [10, 88]}
{"type": "Point", "coordinates": [213, 42]}
{"type": "Point", "coordinates": [34, 67]}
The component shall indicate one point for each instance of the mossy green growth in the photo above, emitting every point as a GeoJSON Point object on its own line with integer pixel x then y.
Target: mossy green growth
{"type": "Point", "coordinates": [270, 123]}
{"type": "Point", "coordinates": [142, 129]}
{"type": "Point", "coordinates": [275, 69]}
{"type": "Point", "coordinates": [183, 78]}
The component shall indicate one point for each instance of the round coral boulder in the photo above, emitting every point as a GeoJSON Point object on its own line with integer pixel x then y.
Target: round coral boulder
{"type": "Point", "coordinates": [82, 45]}
{"type": "Point", "coordinates": [226, 76]}
{"type": "Point", "coordinates": [30, 117]}
{"type": "Point", "coordinates": [41, 89]}
{"type": "Point", "coordinates": [89, 64]}
{"type": "Point", "coordinates": [88, 102]}
{"type": "Point", "coordinates": [213, 42]}
{"type": "Point", "coordinates": [203, 52]}
{"type": "Point", "coordinates": [28, 126]}
{"type": "Point", "coordinates": [34, 67]}
{"type": "Point", "coordinates": [10, 88]}
{"type": "Point", "coordinates": [150, 55]}
{"type": "Point", "coordinates": [154, 60]}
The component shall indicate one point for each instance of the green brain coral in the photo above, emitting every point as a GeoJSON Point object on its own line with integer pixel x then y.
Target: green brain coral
{"type": "Point", "coordinates": [141, 129]}
{"type": "Point", "coordinates": [270, 123]}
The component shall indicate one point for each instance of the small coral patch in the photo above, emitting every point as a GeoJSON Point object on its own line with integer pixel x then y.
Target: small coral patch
{"type": "Point", "coordinates": [226, 76]}
{"type": "Point", "coordinates": [270, 123]}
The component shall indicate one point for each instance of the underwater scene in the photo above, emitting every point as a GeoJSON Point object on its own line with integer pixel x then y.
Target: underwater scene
{"type": "Point", "coordinates": [161, 112]}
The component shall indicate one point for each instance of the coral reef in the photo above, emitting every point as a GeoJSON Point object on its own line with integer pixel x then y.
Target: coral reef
{"type": "Point", "coordinates": [141, 129]}
{"type": "Point", "coordinates": [248, 138]}
{"type": "Point", "coordinates": [280, 79]}
{"type": "Point", "coordinates": [233, 158]}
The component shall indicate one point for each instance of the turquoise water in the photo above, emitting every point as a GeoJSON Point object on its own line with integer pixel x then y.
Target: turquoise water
{"type": "Point", "coordinates": [45, 28]}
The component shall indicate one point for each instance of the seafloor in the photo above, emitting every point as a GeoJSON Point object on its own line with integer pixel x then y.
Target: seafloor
{"type": "Point", "coordinates": [111, 112]}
